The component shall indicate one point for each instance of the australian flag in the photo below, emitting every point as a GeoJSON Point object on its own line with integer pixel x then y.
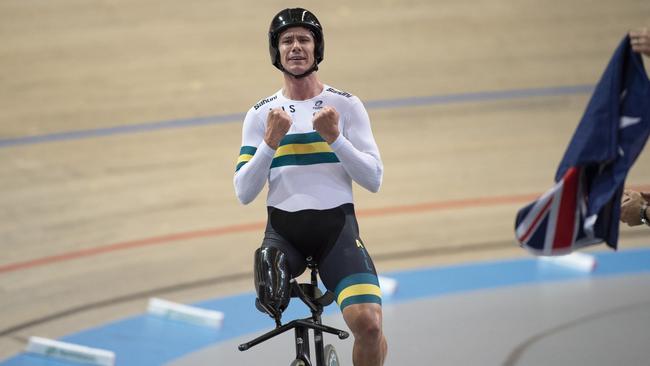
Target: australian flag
{"type": "Point", "coordinates": [583, 208]}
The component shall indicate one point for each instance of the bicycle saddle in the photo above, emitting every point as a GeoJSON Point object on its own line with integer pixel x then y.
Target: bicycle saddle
{"type": "Point", "coordinates": [318, 296]}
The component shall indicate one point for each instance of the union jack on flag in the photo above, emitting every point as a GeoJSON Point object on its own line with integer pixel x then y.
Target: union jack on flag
{"type": "Point", "coordinates": [583, 207]}
{"type": "Point", "coordinates": [556, 223]}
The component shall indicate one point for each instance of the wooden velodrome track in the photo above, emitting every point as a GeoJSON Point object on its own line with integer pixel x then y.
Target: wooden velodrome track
{"type": "Point", "coordinates": [92, 225]}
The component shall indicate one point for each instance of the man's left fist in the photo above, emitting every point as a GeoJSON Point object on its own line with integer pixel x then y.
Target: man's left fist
{"type": "Point", "coordinates": [326, 123]}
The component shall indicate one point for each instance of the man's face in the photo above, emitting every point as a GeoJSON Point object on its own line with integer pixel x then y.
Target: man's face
{"type": "Point", "coordinates": [296, 50]}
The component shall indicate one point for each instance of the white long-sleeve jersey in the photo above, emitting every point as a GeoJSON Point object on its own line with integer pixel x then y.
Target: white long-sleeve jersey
{"type": "Point", "coordinates": [305, 172]}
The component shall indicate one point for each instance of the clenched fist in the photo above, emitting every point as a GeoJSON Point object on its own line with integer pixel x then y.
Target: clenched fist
{"type": "Point", "coordinates": [640, 40]}
{"type": "Point", "coordinates": [278, 123]}
{"type": "Point", "coordinates": [326, 123]}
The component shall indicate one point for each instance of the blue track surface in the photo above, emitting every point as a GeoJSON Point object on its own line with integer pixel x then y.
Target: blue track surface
{"type": "Point", "coordinates": [147, 340]}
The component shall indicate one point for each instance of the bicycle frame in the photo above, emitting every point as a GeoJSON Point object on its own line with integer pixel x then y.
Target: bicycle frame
{"type": "Point", "coordinates": [302, 326]}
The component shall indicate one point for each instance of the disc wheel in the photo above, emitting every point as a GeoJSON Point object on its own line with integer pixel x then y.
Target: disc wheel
{"type": "Point", "coordinates": [331, 358]}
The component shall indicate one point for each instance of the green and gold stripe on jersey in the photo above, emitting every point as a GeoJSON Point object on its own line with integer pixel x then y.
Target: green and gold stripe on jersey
{"type": "Point", "coordinates": [245, 154]}
{"type": "Point", "coordinates": [359, 288]}
{"type": "Point", "coordinates": [303, 149]}
{"type": "Point", "coordinates": [295, 149]}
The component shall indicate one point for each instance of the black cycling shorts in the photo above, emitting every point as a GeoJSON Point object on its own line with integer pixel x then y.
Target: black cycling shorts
{"type": "Point", "coordinates": [331, 238]}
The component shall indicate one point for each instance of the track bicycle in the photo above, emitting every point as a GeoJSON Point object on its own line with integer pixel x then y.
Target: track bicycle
{"type": "Point", "coordinates": [315, 300]}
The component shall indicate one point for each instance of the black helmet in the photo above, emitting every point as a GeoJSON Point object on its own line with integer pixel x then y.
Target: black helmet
{"type": "Point", "coordinates": [295, 17]}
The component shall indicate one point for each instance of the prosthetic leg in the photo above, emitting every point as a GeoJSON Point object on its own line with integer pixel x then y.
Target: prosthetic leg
{"type": "Point", "coordinates": [272, 277]}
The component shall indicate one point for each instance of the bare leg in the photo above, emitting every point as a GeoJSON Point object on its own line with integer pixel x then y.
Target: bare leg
{"type": "Point", "coordinates": [365, 322]}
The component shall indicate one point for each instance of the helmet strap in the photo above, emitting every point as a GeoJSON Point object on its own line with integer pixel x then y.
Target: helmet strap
{"type": "Point", "coordinates": [306, 73]}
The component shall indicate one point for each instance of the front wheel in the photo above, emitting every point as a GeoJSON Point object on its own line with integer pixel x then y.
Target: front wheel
{"type": "Point", "coordinates": [298, 363]}
{"type": "Point", "coordinates": [331, 358]}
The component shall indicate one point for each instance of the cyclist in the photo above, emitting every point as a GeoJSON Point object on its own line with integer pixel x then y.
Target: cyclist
{"type": "Point", "coordinates": [310, 141]}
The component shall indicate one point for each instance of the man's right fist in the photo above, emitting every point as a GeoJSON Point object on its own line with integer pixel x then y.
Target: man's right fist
{"type": "Point", "coordinates": [278, 123]}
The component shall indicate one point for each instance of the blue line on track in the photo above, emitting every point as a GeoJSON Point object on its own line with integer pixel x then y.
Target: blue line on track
{"type": "Point", "coordinates": [145, 340]}
{"type": "Point", "coordinates": [219, 119]}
